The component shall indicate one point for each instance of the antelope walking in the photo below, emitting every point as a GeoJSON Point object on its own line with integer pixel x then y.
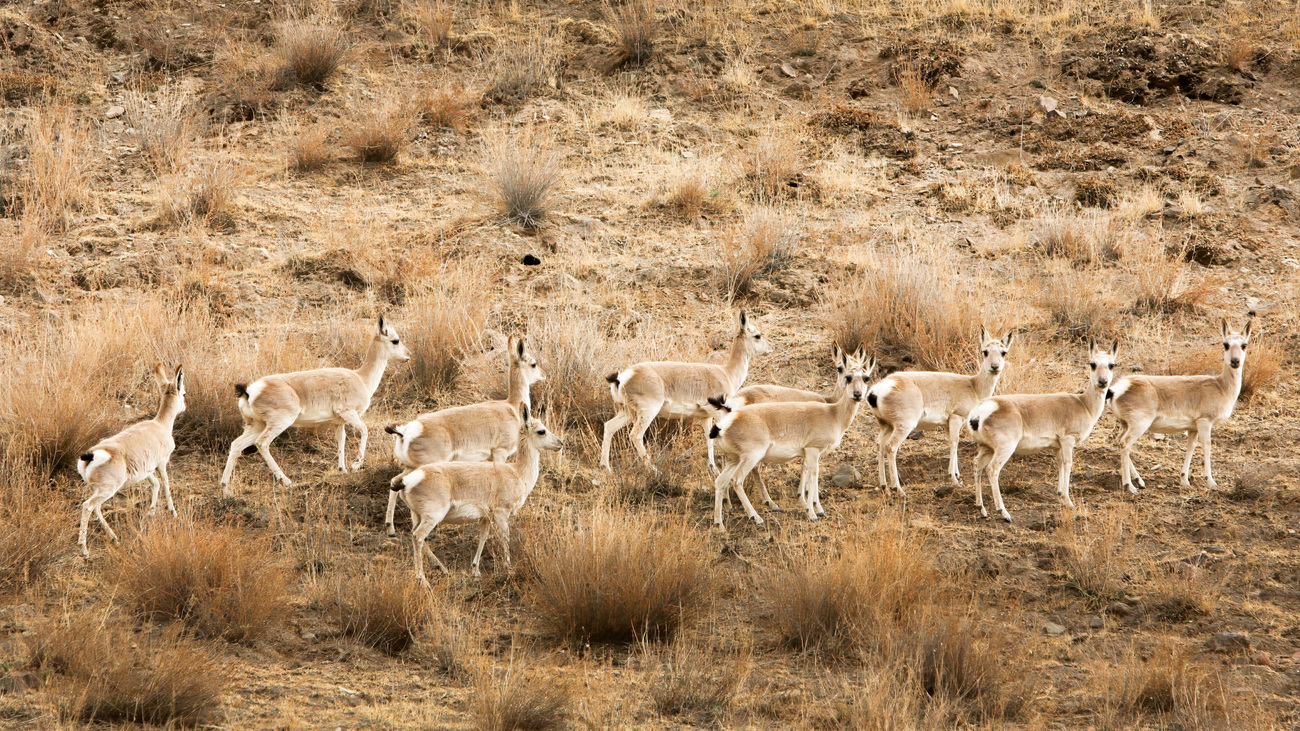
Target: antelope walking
{"type": "Point", "coordinates": [1178, 404]}
{"type": "Point", "coordinates": [487, 493]}
{"type": "Point", "coordinates": [910, 400]}
{"type": "Point", "coordinates": [779, 432]}
{"type": "Point", "coordinates": [675, 390]}
{"type": "Point", "coordinates": [338, 396]}
{"type": "Point", "coordinates": [1028, 423]}
{"type": "Point", "coordinates": [133, 455]}
{"type": "Point", "coordinates": [473, 433]}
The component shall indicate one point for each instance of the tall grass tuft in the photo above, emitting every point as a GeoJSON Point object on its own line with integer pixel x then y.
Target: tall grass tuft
{"type": "Point", "coordinates": [382, 608]}
{"type": "Point", "coordinates": [524, 175]}
{"type": "Point", "coordinates": [444, 325]}
{"type": "Point", "coordinates": [766, 242]}
{"type": "Point", "coordinates": [521, 699]}
{"type": "Point", "coordinates": [162, 126]}
{"type": "Point", "coordinates": [311, 50]}
{"type": "Point", "coordinates": [59, 165]}
{"type": "Point", "coordinates": [379, 128]}
{"type": "Point", "coordinates": [634, 31]}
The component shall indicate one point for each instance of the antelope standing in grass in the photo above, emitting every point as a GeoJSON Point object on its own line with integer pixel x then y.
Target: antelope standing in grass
{"type": "Point", "coordinates": [133, 455]}
{"type": "Point", "coordinates": [1028, 423]}
{"type": "Point", "coordinates": [1178, 404]}
{"type": "Point", "coordinates": [779, 432]}
{"type": "Point", "coordinates": [912, 400]}
{"type": "Point", "coordinates": [674, 390]}
{"type": "Point", "coordinates": [474, 433]}
{"type": "Point", "coordinates": [337, 396]}
{"type": "Point", "coordinates": [487, 493]}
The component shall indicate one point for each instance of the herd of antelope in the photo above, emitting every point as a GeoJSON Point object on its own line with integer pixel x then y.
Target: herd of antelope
{"type": "Point", "coordinates": [479, 463]}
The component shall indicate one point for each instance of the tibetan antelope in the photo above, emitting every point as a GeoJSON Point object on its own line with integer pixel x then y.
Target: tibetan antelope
{"type": "Point", "coordinates": [473, 433]}
{"type": "Point", "coordinates": [779, 432]}
{"type": "Point", "coordinates": [1177, 405]}
{"type": "Point", "coordinates": [487, 493]}
{"type": "Point", "coordinates": [674, 390]}
{"type": "Point", "coordinates": [902, 402]}
{"type": "Point", "coordinates": [337, 396]}
{"type": "Point", "coordinates": [1028, 423]}
{"type": "Point", "coordinates": [133, 455]}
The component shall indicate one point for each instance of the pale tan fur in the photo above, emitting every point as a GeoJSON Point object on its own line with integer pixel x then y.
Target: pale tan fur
{"type": "Point", "coordinates": [1026, 423]}
{"type": "Point", "coordinates": [487, 493]}
{"type": "Point", "coordinates": [779, 432]}
{"type": "Point", "coordinates": [1190, 405]}
{"type": "Point", "coordinates": [473, 433]}
{"type": "Point", "coordinates": [337, 396]}
{"type": "Point", "coordinates": [673, 390]}
{"type": "Point", "coordinates": [910, 400]}
{"type": "Point", "coordinates": [133, 455]}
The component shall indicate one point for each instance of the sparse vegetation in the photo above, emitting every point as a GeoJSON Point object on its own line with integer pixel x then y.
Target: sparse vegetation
{"type": "Point", "coordinates": [311, 50]}
{"type": "Point", "coordinates": [519, 699]}
{"type": "Point", "coordinates": [447, 108]}
{"type": "Point", "coordinates": [774, 166]}
{"type": "Point", "coordinates": [379, 128]}
{"type": "Point", "coordinates": [432, 19]}
{"type": "Point", "coordinates": [59, 165]}
{"type": "Point", "coordinates": [1095, 556]}
{"type": "Point", "coordinates": [309, 149]}
{"type": "Point", "coordinates": [204, 196]}
{"type": "Point", "coordinates": [523, 69]}
{"type": "Point", "coordinates": [697, 681]}
{"type": "Point", "coordinates": [162, 126]}
{"type": "Point", "coordinates": [766, 242]}
{"type": "Point", "coordinates": [1086, 238]}
{"type": "Point", "coordinates": [634, 29]}
{"type": "Point", "coordinates": [525, 174]}
{"type": "Point", "coordinates": [446, 323]}
{"type": "Point", "coordinates": [382, 608]}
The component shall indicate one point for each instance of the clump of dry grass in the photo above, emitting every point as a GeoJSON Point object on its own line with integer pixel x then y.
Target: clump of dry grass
{"type": "Point", "coordinates": [523, 69]}
{"type": "Point", "coordinates": [1166, 284]}
{"type": "Point", "coordinates": [1086, 238]}
{"type": "Point", "coordinates": [442, 326]}
{"type": "Point", "coordinates": [20, 258]}
{"type": "Point", "coordinates": [162, 126]}
{"type": "Point", "coordinates": [956, 663]}
{"type": "Point", "coordinates": [447, 107]}
{"type": "Point", "coordinates": [1096, 555]}
{"type": "Point", "coordinates": [774, 166]}
{"type": "Point", "coordinates": [696, 680]}
{"type": "Point", "coordinates": [1180, 592]}
{"type": "Point", "coordinates": [309, 148]}
{"type": "Point", "coordinates": [890, 699]}
{"type": "Point", "coordinates": [910, 307]}
{"type": "Point", "coordinates": [521, 699]}
{"type": "Point", "coordinates": [766, 242]}
{"type": "Point", "coordinates": [614, 576]}
{"type": "Point", "coordinates": [633, 23]}
{"type": "Point", "coordinates": [432, 20]}
{"type": "Point", "coordinates": [851, 602]}
{"type": "Point", "coordinates": [1170, 688]}
{"type": "Point", "coordinates": [60, 159]}
{"type": "Point", "coordinates": [1080, 303]}
{"type": "Point", "coordinates": [204, 196]}
{"type": "Point", "coordinates": [34, 527]}
{"type": "Point", "coordinates": [310, 50]}
{"type": "Point", "coordinates": [525, 174]}
{"type": "Point", "coordinates": [219, 580]}
{"type": "Point", "coordinates": [111, 675]}
{"type": "Point", "coordinates": [382, 608]}
{"type": "Point", "coordinates": [575, 354]}
{"type": "Point", "coordinates": [914, 89]}
{"type": "Point", "coordinates": [624, 109]}
{"type": "Point", "coordinates": [691, 192]}
{"type": "Point", "coordinates": [379, 128]}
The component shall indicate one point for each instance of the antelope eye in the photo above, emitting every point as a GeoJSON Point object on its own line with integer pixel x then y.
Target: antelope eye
{"type": "Point", "coordinates": [848, 379]}
{"type": "Point", "coordinates": [541, 432]}
{"type": "Point", "coordinates": [986, 353]}
{"type": "Point", "coordinates": [394, 342]}
{"type": "Point", "coordinates": [1092, 366]}
{"type": "Point", "coordinates": [758, 336]}
{"type": "Point", "coordinates": [1225, 346]}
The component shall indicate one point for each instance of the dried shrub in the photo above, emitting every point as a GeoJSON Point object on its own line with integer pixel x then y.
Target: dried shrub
{"type": "Point", "coordinates": [20, 258]}
{"type": "Point", "coordinates": [524, 175]}
{"type": "Point", "coordinates": [310, 50]}
{"type": "Point", "coordinates": [1095, 192]}
{"type": "Point", "coordinates": [1166, 284]}
{"type": "Point", "coordinates": [964, 667]}
{"type": "Point", "coordinates": [112, 675]}
{"type": "Point", "coordinates": [523, 69]}
{"type": "Point", "coordinates": [60, 157]}
{"type": "Point", "coordinates": [1086, 238]}
{"type": "Point", "coordinates": [246, 78]}
{"type": "Point", "coordinates": [576, 354]}
{"type": "Point", "coordinates": [162, 126]}
{"type": "Point", "coordinates": [521, 699]}
{"type": "Point", "coordinates": [774, 166]}
{"type": "Point", "coordinates": [379, 128]}
{"type": "Point", "coordinates": [447, 108]}
{"type": "Point", "coordinates": [634, 31]}
{"type": "Point", "coordinates": [382, 608]}
{"type": "Point", "coordinates": [1180, 592]}
{"type": "Point", "coordinates": [309, 149]}
{"type": "Point", "coordinates": [914, 89]}
{"type": "Point", "coordinates": [625, 109]}
{"type": "Point", "coordinates": [765, 243]}
{"type": "Point", "coordinates": [692, 192]}
{"type": "Point", "coordinates": [219, 580]}
{"type": "Point", "coordinates": [204, 196]}
{"type": "Point", "coordinates": [34, 528]}
{"type": "Point", "coordinates": [1171, 689]}
{"type": "Point", "coordinates": [431, 19]}
{"type": "Point", "coordinates": [1095, 556]}
{"type": "Point", "coordinates": [614, 577]}
{"type": "Point", "coordinates": [442, 326]}
{"type": "Point", "coordinates": [697, 680]}
{"type": "Point", "coordinates": [1080, 303]}
{"type": "Point", "coordinates": [909, 307]}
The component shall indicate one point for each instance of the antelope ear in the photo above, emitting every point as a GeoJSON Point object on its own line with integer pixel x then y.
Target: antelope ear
{"type": "Point", "coordinates": [519, 346]}
{"type": "Point", "coordinates": [383, 326]}
{"type": "Point", "coordinates": [1006, 339]}
{"type": "Point", "coordinates": [160, 373]}
{"type": "Point", "coordinates": [524, 414]}
{"type": "Point", "coordinates": [1246, 332]}
{"type": "Point", "coordinates": [1092, 347]}
{"type": "Point", "coordinates": [860, 354]}
{"type": "Point", "coordinates": [1223, 327]}
{"type": "Point", "coordinates": [1114, 350]}
{"type": "Point", "coordinates": [743, 319]}
{"type": "Point", "coordinates": [180, 379]}
{"type": "Point", "coordinates": [837, 352]}
{"type": "Point", "coordinates": [871, 367]}
{"type": "Point", "coordinates": [984, 335]}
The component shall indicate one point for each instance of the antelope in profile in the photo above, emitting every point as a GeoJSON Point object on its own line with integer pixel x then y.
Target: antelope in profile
{"type": "Point", "coordinates": [487, 493]}
{"type": "Point", "coordinates": [474, 433]}
{"type": "Point", "coordinates": [910, 400]}
{"type": "Point", "coordinates": [133, 455]}
{"type": "Point", "coordinates": [1028, 423]}
{"type": "Point", "coordinates": [775, 433]}
{"type": "Point", "coordinates": [337, 396]}
{"type": "Point", "coordinates": [674, 390]}
{"type": "Point", "coordinates": [1178, 404]}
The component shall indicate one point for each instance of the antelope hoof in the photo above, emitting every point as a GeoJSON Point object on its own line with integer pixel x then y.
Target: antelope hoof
{"type": "Point", "coordinates": [758, 520]}
{"type": "Point", "coordinates": [820, 511]}
{"type": "Point", "coordinates": [813, 517]}
{"type": "Point", "coordinates": [1131, 490]}
{"type": "Point", "coordinates": [357, 465]}
{"type": "Point", "coordinates": [984, 513]}
{"type": "Point", "coordinates": [476, 573]}
{"type": "Point", "coordinates": [85, 552]}
{"type": "Point", "coordinates": [425, 583]}
{"type": "Point", "coordinates": [392, 532]}
{"type": "Point", "coordinates": [1211, 484]}
{"type": "Point", "coordinates": [1141, 483]}
{"type": "Point", "coordinates": [1185, 482]}
{"type": "Point", "coordinates": [775, 508]}
{"type": "Point", "coordinates": [1006, 517]}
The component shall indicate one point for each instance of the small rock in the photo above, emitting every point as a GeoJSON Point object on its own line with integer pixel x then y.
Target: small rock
{"type": "Point", "coordinates": [118, 77]}
{"type": "Point", "coordinates": [560, 281]}
{"type": "Point", "coordinates": [845, 475]}
{"type": "Point", "coordinates": [688, 154]}
{"type": "Point", "coordinates": [114, 111]}
{"type": "Point", "coordinates": [661, 115]}
{"type": "Point", "coordinates": [1047, 103]}
{"type": "Point", "coordinates": [1096, 623]}
{"type": "Point", "coordinates": [1216, 549]}
{"type": "Point", "coordinates": [944, 490]}
{"type": "Point", "coordinates": [1119, 609]}
{"type": "Point", "coordinates": [788, 70]}
{"type": "Point", "coordinates": [952, 92]}
{"type": "Point", "coordinates": [531, 261]}
{"type": "Point", "coordinates": [1229, 642]}
{"type": "Point", "coordinates": [1052, 628]}
{"type": "Point", "coordinates": [308, 636]}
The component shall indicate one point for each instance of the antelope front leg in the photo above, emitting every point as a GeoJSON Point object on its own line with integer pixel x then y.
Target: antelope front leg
{"type": "Point", "coordinates": [955, 423]}
{"type": "Point", "coordinates": [153, 500]}
{"type": "Point", "coordinates": [620, 420]}
{"type": "Point", "coordinates": [1067, 466]}
{"type": "Point", "coordinates": [741, 473]}
{"type": "Point", "coordinates": [982, 458]}
{"type": "Point", "coordinates": [810, 457]}
{"type": "Point", "coordinates": [762, 489]}
{"type": "Point", "coordinates": [167, 487]}
{"type": "Point", "coordinates": [484, 527]}
{"type": "Point", "coordinates": [1187, 459]}
{"type": "Point", "coordinates": [1203, 432]}
{"type": "Point", "coordinates": [882, 438]}
{"type": "Point", "coordinates": [720, 487]}
{"type": "Point", "coordinates": [995, 474]}
{"type": "Point", "coordinates": [354, 419]}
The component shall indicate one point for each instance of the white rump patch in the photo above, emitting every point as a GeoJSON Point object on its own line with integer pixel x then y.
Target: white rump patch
{"type": "Point", "coordinates": [616, 389]}
{"type": "Point", "coordinates": [101, 456]}
{"type": "Point", "coordinates": [1120, 387]}
{"type": "Point", "coordinates": [413, 478]}
{"type": "Point", "coordinates": [982, 412]}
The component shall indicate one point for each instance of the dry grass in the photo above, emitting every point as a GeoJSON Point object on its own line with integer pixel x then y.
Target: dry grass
{"type": "Point", "coordinates": [1136, 205]}
{"type": "Point", "coordinates": [1180, 592]}
{"type": "Point", "coordinates": [914, 89]}
{"type": "Point", "coordinates": [633, 23]}
{"type": "Point", "coordinates": [1171, 689]}
{"type": "Point", "coordinates": [890, 699]}
{"type": "Point", "coordinates": [1166, 284]}
{"type": "Point", "coordinates": [524, 68]}
{"type": "Point", "coordinates": [432, 20]}
{"type": "Point", "coordinates": [625, 109]}
{"type": "Point", "coordinates": [958, 665]}
{"type": "Point", "coordinates": [447, 107]}
{"type": "Point", "coordinates": [382, 608]}
{"type": "Point", "coordinates": [109, 674]}
{"type": "Point", "coordinates": [1080, 303]}
{"type": "Point", "coordinates": [204, 196]}
{"type": "Point", "coordinates": [442, 326]}
{"type": "Point", "coordinates": [766, 242]}
{"type": "Point", "coordinates": [614, 577]}
{"type": "Point", "coordinates": [691, 191]}
{"type": "Point", "coordinates": [219, 580]}
{"type": "Point", "coordinates": [20, 258]}
{"type": "Point", "coordinates": [521, 699]}
{"type": "Point", "coordinates": [695, 680]}
{"type": "Point", "coordinates": [60, 160]}
{"type": "Point", "coordinates": [1082, 238]}
{"type": "Point", "coordinates": [309, 148]}
{"type": "Point", "coordinates": [311, 50]}
{"type": "Point", "coordinates": [1095, 555]}
{"type": "Point", "coordinates": [524, 174]}
{"type": "Point", "coordinates": [1238, 50]}
{"type": "Point", "coordinates": [774, 166]}
{"type": "Point", "coordinates": [379, 128]}
{"type": "Point", "coordinates": [909, 307]}
{"type": "Point", "coordinates": [34, 529]}
{"type": "Point", "coordinates": [162, 126]}
{"type": "Point", "coordinates": [575, 354]}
